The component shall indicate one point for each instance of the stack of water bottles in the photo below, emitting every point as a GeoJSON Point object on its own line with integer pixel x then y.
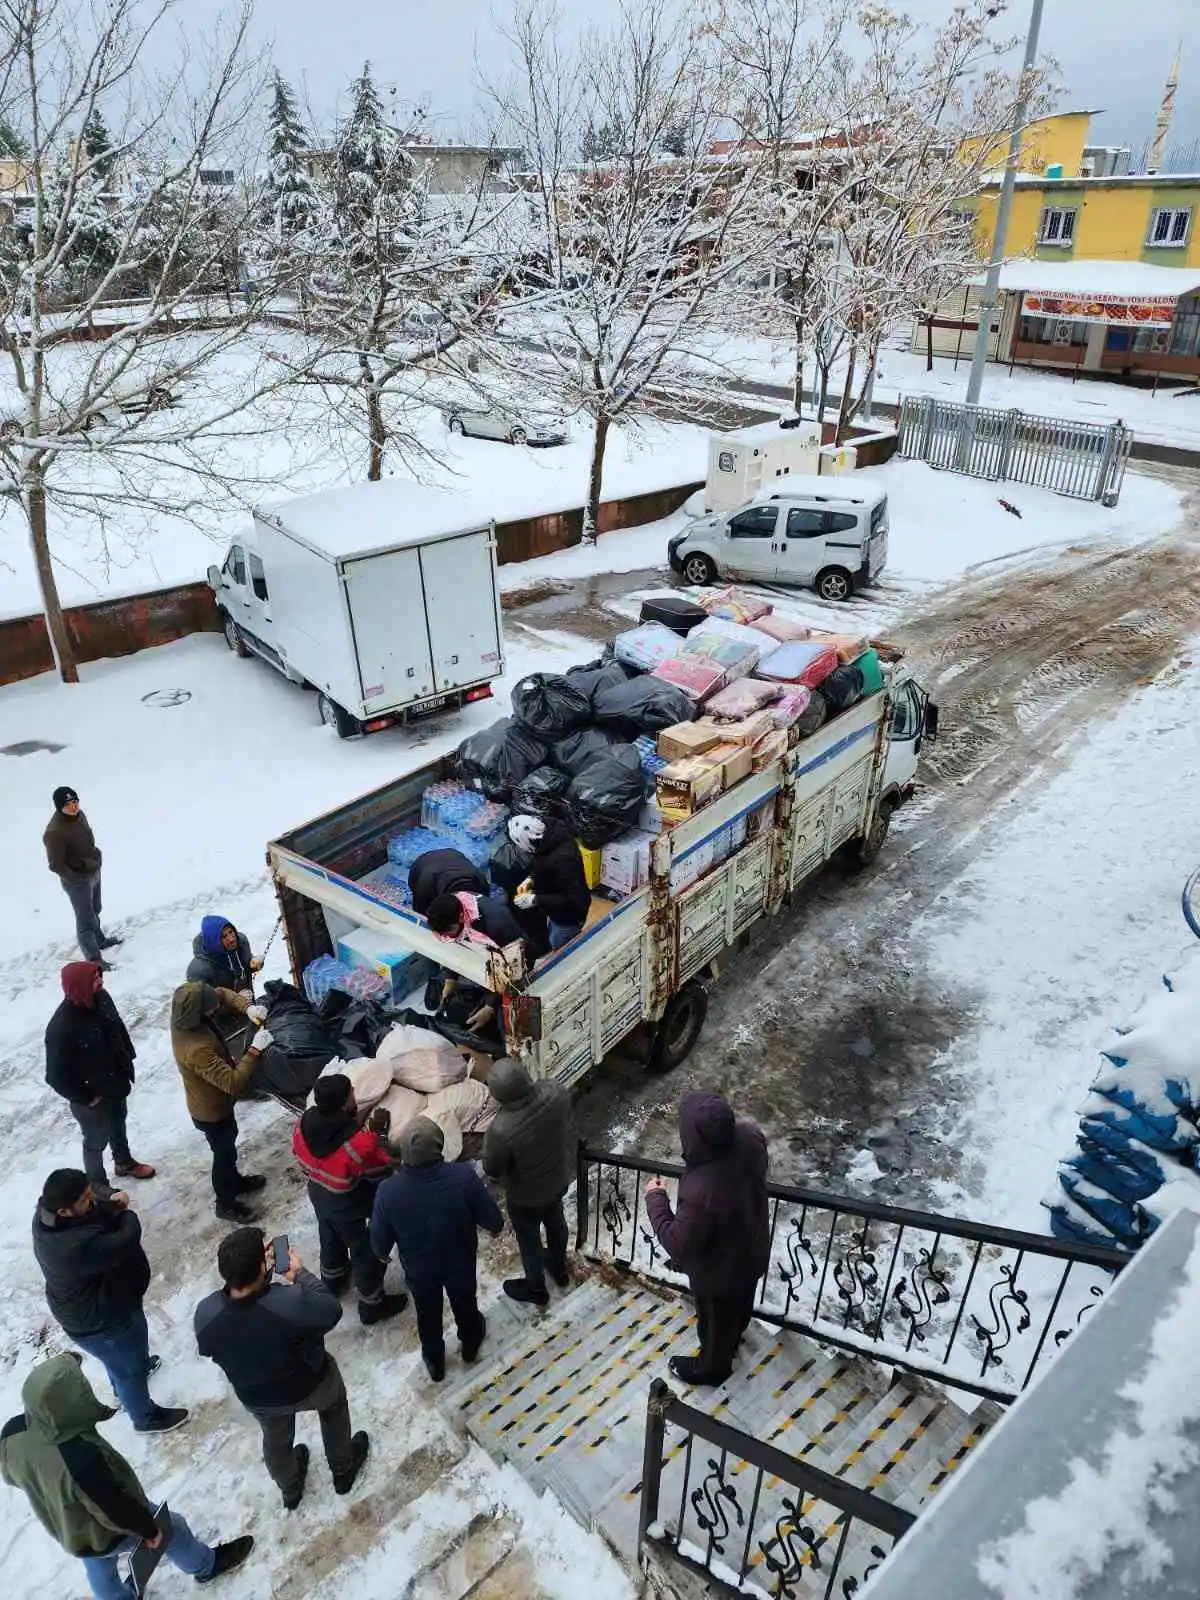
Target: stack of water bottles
{"type": "Point", "coordinates": [647, 749]}
{"type": "Point", "coordinates": [404, 849]}
{"type": "Point", "coordinates": [447, 806]}
{"type": "Point", "coordinates": [326, 973]}
{"type": "Point", "coordinates": [389, 884]}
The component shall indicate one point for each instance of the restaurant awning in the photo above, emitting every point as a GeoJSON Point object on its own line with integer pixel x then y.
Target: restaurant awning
{"type": "Point", "coordinates": [1131, 292]}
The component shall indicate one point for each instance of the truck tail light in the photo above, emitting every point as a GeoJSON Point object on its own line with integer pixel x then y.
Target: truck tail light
{"type": "Point", "coordinates": [378, 722]}
{"type": "Point", "coordinates": [484, 692]}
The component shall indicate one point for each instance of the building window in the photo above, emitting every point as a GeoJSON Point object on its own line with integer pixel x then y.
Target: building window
{"type": "Point", "coordinates": [1185, 330]}
{"type": "Point", "coordinates": [1057, 226]}
{"type": "Point", "coordinates": [1053, 330]}
{"type": "Point", "coordinates": [1169, 226]}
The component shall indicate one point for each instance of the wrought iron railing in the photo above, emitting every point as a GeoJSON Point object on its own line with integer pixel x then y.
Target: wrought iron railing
{"type": "Point", "coordinates": [740, 1511]}
{"type": "Point", "coordinates": [971, 1305]}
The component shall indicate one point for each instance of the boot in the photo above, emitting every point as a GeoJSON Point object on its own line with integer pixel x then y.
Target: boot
{"type": "Point", "coordinates": [109, 941]}
{"type": "Point", "coordinates": [229, 1556]}
{"type": "Point", "coordinates": [133, 1169]}
{"type": "Point", "coordinates": [360, 1447]}
{"type": "Point", "coordinates": [435, 1369]}
{"type": "Point", "coordinates": [688, 1370]}
{"type": "Point", "coordinates": [371, 1311]}
{"type": "Point", "coordinates": [105, 966]}
{"type": "Point", "coordinates": [165, 1419]}
{"type": "Point", "coordinates": [235, 1211]}
{"type": "Point", "coordinates": [561, 1276]}
{"type": "Point", "coordinates": [522, 1290]}
{"type": "Point", "coordinates": [291, 1501]}
{"type": "Point", "coordinates": [470, 1352]}
{"type": "Point", "coordinates": [250, 1183]}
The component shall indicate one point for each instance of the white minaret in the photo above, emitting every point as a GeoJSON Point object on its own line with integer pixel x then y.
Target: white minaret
{"type": "Point", "coordinates": [1166, 111]}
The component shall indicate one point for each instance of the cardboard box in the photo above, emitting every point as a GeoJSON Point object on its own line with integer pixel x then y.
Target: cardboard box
{"type": "Point", "coordinates": [650, 818]}
{"type": "Point", "coordinates": [684, 787]}
{"type": "Point", "coordinates": [592, 860]}
{"type": "Point", "coordinates": [734, 760]}
{"type": "Point", "coordinates": [748, 731]}
{"type": "Point", "coordinates": [626, 864]}
{"type": "Point", "coordinates": [403, 969]}
{"type": "Point", "coordinates": [687, 739]}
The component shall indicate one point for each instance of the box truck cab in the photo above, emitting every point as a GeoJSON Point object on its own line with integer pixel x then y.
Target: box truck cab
{"type": "Point", "coordinates": [816, 532]}
{"type": "Point", "coordinates": [382, 598]}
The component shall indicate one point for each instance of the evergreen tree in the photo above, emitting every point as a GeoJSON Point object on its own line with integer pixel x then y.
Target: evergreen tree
{"type": "Point", "coordinates": [290, 195]}
{"type": "Point", "coordinates": [368, 152]}
{"type": "Point", "coordinates": [12, 145]}
{"type": "Point", "coordinates": [98, 147]}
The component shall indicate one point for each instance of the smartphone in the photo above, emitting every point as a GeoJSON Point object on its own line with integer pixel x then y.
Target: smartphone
{"type": "Point", "coordinates": [282, 1254]}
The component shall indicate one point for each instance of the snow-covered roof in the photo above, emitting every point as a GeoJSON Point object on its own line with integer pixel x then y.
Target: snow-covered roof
{"type": "Point", "coordinates": [757, 431]}
{"type": "Point", "coordinates": [1098, 278]}
{"type": "Point", "coordinates": [365, 518]}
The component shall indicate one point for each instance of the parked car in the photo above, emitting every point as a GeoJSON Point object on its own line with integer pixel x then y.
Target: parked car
{"type": "Point", "coordinates": [493, 425]}
{"type": "Point", "coordinates": [814, 531]}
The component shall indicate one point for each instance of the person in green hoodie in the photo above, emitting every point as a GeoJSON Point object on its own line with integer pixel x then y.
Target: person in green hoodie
{"type": "Point", "coordinates": [86, 1495]}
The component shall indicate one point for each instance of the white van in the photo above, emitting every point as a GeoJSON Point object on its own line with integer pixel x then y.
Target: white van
{"type": "Point", "coordinates": [819, 532]}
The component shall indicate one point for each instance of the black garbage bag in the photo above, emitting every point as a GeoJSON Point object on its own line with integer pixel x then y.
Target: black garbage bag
{"type": "Point", "coordinates": [842, 689]}
{"type": "Point", "coordinates": [642, 705]}
{"type": "Point", "coordinates": [541, 794]}
{"type": "Point", "coordinates": [605, 799]}
{"type": "Point", "coordinates": [364, 1027]}
{"type": "Point", "coordinates": [511, 866]}
{"type": "Point", "coordinates": [304, 1044]}
{"type": "Point", "coordinates": [599, 675]}
{"type": "Point", "coordinates": [577, 751]}
{"type": "Point", "coordinates": [813, 715]}
{"type": "Point", "coordinates": [550, 706]}
{"type": "Point", "coordinates": [498, 757]}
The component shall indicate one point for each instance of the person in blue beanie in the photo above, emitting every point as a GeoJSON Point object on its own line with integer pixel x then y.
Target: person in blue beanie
{"type": "Point", "coordinates": [221, 957]}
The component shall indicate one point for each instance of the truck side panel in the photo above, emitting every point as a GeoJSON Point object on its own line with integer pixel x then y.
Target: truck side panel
{"type": "Point", "coordinates": [387, 614]}
{"type": "Point", "coordinates": [462, 605]}
{"type": "Point", "coordinates": [311, 630]}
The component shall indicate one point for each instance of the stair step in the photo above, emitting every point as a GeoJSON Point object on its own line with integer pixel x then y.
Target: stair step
{"type": "Point", "coordinates": [460, 1569]}
{"type": "Point", "coordinates": [514, 1579]}
{"type": "Point", "coordinates": [967, 1432]}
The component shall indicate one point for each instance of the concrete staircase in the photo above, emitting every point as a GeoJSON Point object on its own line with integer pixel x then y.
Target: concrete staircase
{"type": "Point", "coordinates": [563, 1399]}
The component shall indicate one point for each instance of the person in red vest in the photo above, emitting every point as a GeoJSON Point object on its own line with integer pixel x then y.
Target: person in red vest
{"type": "Point", "coordinates": [344, 1163]}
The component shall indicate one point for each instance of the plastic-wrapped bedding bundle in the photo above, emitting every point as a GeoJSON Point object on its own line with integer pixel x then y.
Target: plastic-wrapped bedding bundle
{"type": "Point", "coordinates": [498, 757]}
{"type": "Point", "coordinates": [646, 647]}
{"type": "Point", "coordinates": [723, 628]}
{"type": "Point", "coordinates": [791, 705]}
{"type": "Point", "coordinates": [737, 656]}
{"type": "Point", "coordinates": [735, 604]}
{"type": "Point", "coordinates": [849, 646]}
{"type": "Point", "coordinates": [698, 676]}
{"type": "Point", "coordinates": [1068, 1220]}
{"type": "Point", "coordinates": [805, 661]}
{"type": "Point", "coordinates": [743, 699]}
{"type": "Point", "coordinates": [1128, 1224]}
{"type": "Point", "coordinates": [782, 628]}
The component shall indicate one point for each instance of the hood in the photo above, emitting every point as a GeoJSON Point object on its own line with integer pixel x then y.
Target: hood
{"type": "Point", "coordinates": [190, 1004]}
{"type": "Point", "coordinates": [422, 1143]}
{"type": "Point", "coordinates": [59, 1402]}
{"type": "Point", "coordinates": [79, 982]}
{"type": "Point", "coordinates": [526, 832]}
{"type": "Point", "coordinates": [326, 1131]}
{"type": "Point", "coordinates": [208, 941]}
{"type": "Point", "coordinates": [509, 1082]}
{"type": "Point", "coordinates": [557, 834]}
{"type": "Point", "coordinates": [706, 1127]}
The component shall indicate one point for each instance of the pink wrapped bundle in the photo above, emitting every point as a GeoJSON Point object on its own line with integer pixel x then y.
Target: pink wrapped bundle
{"type": "Point", "coordinates": [805, 661]}
{"type": "Point", "coordinates": [743, 698]}
{"type": "Point", "coordinates": [725, 629]}
{"type": "Point", "coordinates": [697, 676]}
{"type": "Point", "coordinates": [738, 659]}
{"type": "Point", "coordinates": [735, 604]}
{"type": "Point", "coordinates": [791, 705]}
{"type": "Point", "coordinates": [783, 628]}
{"type": "Point", "coordinates": [849, 646]}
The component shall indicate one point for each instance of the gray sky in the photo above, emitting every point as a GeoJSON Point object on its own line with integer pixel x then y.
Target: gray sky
{"type": "Point", "coordinates": [1113, 54]}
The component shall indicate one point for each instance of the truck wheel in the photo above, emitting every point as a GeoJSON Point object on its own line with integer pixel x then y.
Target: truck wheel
{"type": "Point", "coordinates": [872, 842]}
{"type": "Point", "coordinates": [835, 583]}
{"type": "Point", "coordinates": [332, 715]}
{"type": "Point", "coordinates": [699, 569]}
{"type": "Point", "coordinates": [233, 637]}
{"type": "Point", "coordinates": [679, 1029]}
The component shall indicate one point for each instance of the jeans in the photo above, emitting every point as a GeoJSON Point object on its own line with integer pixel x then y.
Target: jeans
{"type": "Point", "coordinates": [184, 1550]}
{"type": "Point", "coordinates": [721, 1320]}
{"type": "Point", "coordinates": [346, 1249]}
{"type": "Point", "coordinates": [222, 1141]}
{"type": "Point", "coordinates": [85, 902]}
{"type": "Point", "coordinates": [278, 1424]}
{"type": "Point", "coordinates": [561, 935]}
{"type": "Point", "coordinates": [103, 1125]}
{"type": "Point", "coordinates": [528, 1222]}
{"type": "Point", "coordinates": [427, 1302]}
{"type": "Point", "coordinates": [124, 1353]}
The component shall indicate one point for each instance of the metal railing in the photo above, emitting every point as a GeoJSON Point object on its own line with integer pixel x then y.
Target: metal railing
{"type": "Point", "coordinates": [1085, 460]}
{"type": "Point", "coordinates": [970, 1305]}
{"type": "Point", "coordinates": [751, 1517]}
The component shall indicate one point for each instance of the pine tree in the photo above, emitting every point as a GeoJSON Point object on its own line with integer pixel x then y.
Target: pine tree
{"type": "Point", "coordinates": [12, 145]}
{"type": "Point", "coordinates": [290, 195]}
{"type": "Point", "coordinates": [367, 151]}
{"type": "Point", "coordinates": [98, 147]}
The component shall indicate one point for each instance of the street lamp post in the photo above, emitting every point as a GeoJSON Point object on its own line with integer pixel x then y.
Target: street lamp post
{"type": "Point", "coordinates": [991, 287]}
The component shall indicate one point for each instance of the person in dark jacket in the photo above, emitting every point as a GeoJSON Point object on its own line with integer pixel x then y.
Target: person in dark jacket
{"type": "Point", "coordinates": [74, 856]}
{"type": "Point", "coordinates": [719, 1233]}
{"type": "Point", "coordinates": [84, 1493]}
{"type": "Point", "coordinates": [96, 1272]}
{"type": "Point", "coordinates": [344, 1164]}
{"type": "Point", "coordinates": [89, 1061]}
{"type": "Point", "coordinates": [268, 1337]}
{"type": "Point", "coordinates": [557, 888]}
{"type": "Point", "coordinates": [530, 1150]}
{"type": "Point", "coordinates": [431, 1213]}
{"type": "Point", "coordinates": [441, 872]}
{"type": "Point", "coordinates": [221, 958]}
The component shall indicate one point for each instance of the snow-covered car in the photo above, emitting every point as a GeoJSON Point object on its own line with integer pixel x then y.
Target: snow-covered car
{"type": "Point", "coordinates": [512, 430]}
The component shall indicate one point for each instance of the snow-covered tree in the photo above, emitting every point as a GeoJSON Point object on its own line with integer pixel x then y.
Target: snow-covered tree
{"type": "Point", "coordinates": [289, 188]}
{"type": "Point", "coordinates": [98, 146]}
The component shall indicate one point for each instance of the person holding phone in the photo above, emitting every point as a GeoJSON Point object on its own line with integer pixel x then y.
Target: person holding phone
{"type": "Point", "coordinates": [85, 1494]}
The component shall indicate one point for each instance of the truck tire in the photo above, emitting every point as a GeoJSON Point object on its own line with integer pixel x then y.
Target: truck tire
{"type": "Point", "coordinates": [233, 635]}
{"type": "Point", "coordinates": [333, 716]}
{"type": "Point", "coordinates": [699, 569]}
{"type": "Point", "coordinates": [867, 848]}
{"type": "Point", "coordinates": [679, 1028]}
{"type": "Point", "coordinates": [834, 583]}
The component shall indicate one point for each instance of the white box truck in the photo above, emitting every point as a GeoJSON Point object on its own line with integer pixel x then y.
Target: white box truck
{"type": "Point", "coordinates": [379, 596]}
{"type": "Point", "coordinates": [744, 464]}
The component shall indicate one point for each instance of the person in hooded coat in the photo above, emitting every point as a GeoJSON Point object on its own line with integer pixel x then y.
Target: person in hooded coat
{"type": "Point", "coordinates": [530, 1150]}
{"type": "Point", "coordinates": [719, 1233]}
{"type": "Point", "coordinates": [221, 958]}
{"type": "Point", "coordinates": [345, 1164]}
{"type": "Point", "coordinates": [440, 872]}
{"type": "Point", "coordinates": [430, 1213]}
{"type": "Point", "coordinates": [73, 855]}
{"type": "Point", "coordinates": [213, 1082]}
{"type": "Point", "coordinates": [557, 889]}
{"type": "Point", "coordinates": [89, 1061]}
{"type": "Point", "coordinates": [84, 1493]}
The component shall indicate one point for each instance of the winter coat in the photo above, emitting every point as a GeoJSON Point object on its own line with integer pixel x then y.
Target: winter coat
{"type": "Point", "coordinates": [719, 1232]}
{"type": "Point", "coordinates": [496, 919]}
{"type": "Point", "coordinates": [95, 1269]}
{"type": "Point", "coordinates": [343, 1163]}
{"type": "Point", "coordinates": [530, 1147]}
{"type": "Point", "coordinates": [559, 881]}
{"type": "Point", "coordinates": [431, 1215]}
{"type": "Point", "coordinates": [83, 1492]}
{"type": "Point", "coordinates": [89, 1053]}
{"type": "Point", "coordinates": [270, 1345]}
{"type": "Point", "coordinates": [211, 963]}
{"type": "Point", "coordinates": [212, 1080]}
{"type": "Point", "coordinates": [71, 851]}
{"type": "Point", "coordinates": [442, 872]}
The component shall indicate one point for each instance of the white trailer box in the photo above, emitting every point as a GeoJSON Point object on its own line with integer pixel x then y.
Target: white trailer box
{"type": "Point", "coordinates": [382, 597]}
{"type": "Point", "coordinates": [744, 464]}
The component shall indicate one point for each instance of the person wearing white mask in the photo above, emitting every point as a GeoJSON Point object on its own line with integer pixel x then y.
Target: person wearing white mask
{"type": "Point", "coordinates": [556, 887]}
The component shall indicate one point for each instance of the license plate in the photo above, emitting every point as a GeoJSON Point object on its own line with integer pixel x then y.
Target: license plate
{"type": "Point", "coordinates": [422, 708]}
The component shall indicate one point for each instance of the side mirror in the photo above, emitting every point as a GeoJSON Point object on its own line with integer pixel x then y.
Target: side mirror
{"type": "Point", "coordinates": [214, 578]}
{"type": "Point", "coordinates": [931, 721]}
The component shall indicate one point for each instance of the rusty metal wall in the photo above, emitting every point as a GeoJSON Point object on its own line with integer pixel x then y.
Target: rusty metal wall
{"type": "Point", "coordinates": [109, 628]}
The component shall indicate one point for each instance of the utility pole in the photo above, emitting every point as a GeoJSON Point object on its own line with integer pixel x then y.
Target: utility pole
{"type": "Point", "coordinates": [991, 287]}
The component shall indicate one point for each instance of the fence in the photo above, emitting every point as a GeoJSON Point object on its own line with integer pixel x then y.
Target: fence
{"type": "Point", "coordinates": [1085, 460]}
{"type": "Point", "coordinates": [750, 1516]}
{"type": "Point", "coordinates": [972, 1305]}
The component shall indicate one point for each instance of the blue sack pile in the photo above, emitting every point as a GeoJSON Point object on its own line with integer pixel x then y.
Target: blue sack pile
{"type": "Point", "coordinates": [1138, 1143]}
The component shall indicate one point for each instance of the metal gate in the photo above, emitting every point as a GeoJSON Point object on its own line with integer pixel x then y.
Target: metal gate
{"type": "Point", "coordinates": [1083, 459]}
